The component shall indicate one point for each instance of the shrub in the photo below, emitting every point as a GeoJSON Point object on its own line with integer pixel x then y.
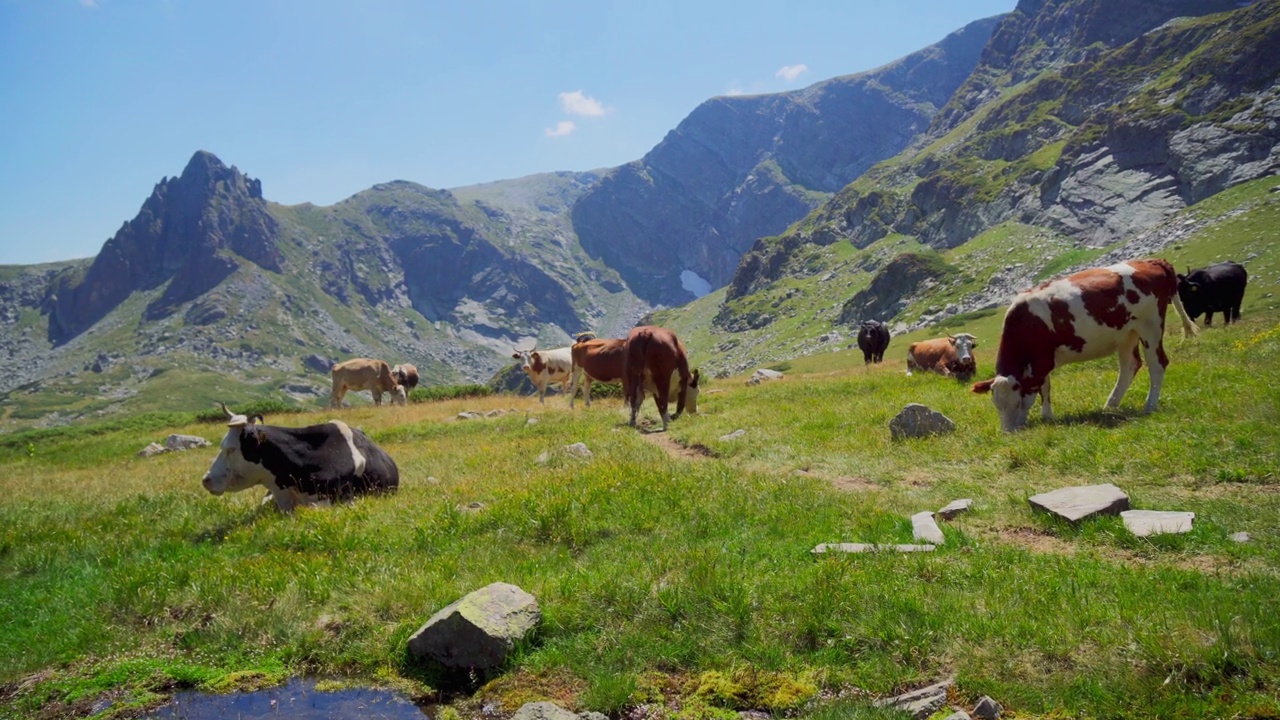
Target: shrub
{"type": "Point", "coordinates": [436, 393]}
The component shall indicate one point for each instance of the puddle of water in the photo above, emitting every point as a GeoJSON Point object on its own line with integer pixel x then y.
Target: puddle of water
{"type": "Point", "coordinates": [298, 699]}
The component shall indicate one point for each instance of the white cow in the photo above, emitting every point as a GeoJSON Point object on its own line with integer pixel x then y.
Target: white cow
{"type": "Point", "coordinates": [545, 367]}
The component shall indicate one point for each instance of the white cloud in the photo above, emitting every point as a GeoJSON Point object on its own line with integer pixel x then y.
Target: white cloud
{"type": "Point", "coordinates": [562, 128]}
{"type": "Point", "coordinates": [576, 103]}
{"type": "Point", "coordinates": [791, 72]}
{"type": "Point", "coordinates": [91, 4]}
{"type": "Point", "coordinates": [734, 91]}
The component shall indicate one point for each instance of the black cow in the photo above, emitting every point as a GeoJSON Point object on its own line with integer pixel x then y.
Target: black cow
{"type": "Point", "coordinates": [873, 340]}
{"type": "Point", "coordinates": [1217, 288]}
{"type": "Point", "coordinates": [300, 466]}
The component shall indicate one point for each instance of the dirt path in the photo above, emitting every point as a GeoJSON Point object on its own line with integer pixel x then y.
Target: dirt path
{"type": "Point", "coordinates": [675, 449]}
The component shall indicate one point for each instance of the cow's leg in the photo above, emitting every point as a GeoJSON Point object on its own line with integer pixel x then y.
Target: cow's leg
{"type": "Point", "coordinates": [1157, 361]}
{"type": "Point", "coordinates": [586, 390]}
{"type": "Point", "coordinates": [542, 393]}
{"type": "Point", "coordinates": [661, 395]}
{"type": "Point", "coordinates": [1129, 364]}
{"type": "Point", "coordinates": [1046, 406]}
{"type": "Point", "coordinates": [1208, 318]}
{"type": "Point", "coordinates": [574, 381]}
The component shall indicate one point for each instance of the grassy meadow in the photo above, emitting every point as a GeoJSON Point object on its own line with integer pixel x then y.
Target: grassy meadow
{"type": "Point", "coordinates": [673, 569]}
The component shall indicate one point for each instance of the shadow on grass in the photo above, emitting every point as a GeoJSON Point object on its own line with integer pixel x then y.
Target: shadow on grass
{"type": "Point", "coordinates": [1103, 418]}
{"type": "Point", "coordinates": [218, 533]}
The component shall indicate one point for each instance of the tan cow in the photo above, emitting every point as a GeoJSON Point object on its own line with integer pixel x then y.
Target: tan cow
{"type": "Point", "coordinates": [595, 360]}
{"type": "Point", "coordinates": [364, 374]}
{"type": "Point", "coordinates": [952, 355]}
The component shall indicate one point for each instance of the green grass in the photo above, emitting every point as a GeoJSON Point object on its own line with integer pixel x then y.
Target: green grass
{"type": "Point", "coordinates": [687, 581]}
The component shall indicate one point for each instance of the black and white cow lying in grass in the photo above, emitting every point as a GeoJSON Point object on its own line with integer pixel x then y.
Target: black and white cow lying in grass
{"type": "Point", "coordinates": [299, 466]}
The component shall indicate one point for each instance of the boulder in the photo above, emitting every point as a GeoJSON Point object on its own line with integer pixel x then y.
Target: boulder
{"type": "Point", "coordinates": [920, 703]}
{"type": "Point", "coordinates": [151, 450]}
{"type": "Point", "coordinates": [478, 630]}
{"type": "Point", "coordinates": [1143, 523]}
{"type": "Point", "coordinates": [925, 529]}
{"type": "Point", "coordinates": [185, 442]}
{"type": "Point", "coordinates": [1077, 503]}
{"type": "Point", "coordinates": [318, 363]}
{"type": "Point", "coordinates": [954, 508]}
{"type": "Point", "coordinates": [917, 420]}
{"type": "Point", "coordinates": [543, 711]}
{"type": "Point", "coordinates": [987, 709]}
{"type": "Point", "coordinates": [763, 374]}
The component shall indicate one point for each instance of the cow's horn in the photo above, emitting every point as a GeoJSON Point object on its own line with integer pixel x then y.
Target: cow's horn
{"type": "Point", "coordinates": [228, 412]}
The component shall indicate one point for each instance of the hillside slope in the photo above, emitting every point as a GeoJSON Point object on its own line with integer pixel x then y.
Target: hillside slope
{"type": "Point", "coordinates": [1077, 133]}
{"type": "Point", "coordinates": [741, 167]}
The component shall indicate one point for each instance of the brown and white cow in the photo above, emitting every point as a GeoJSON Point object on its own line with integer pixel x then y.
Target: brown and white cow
{"type": "Point", "coordinates": [1091, 314]}
{"type": "Point", "coordinates": [545, 367]}
{"type": "Point", "coordinates": [595, 360]}
{"type": "Point", "coordinates": [951, 355]}
{"type": "Point", "coordinates": [364, 374]}
{"type": "Point", "coordinates": [653, 356]}
{"type": "Point", "coordinates": [406, 375]}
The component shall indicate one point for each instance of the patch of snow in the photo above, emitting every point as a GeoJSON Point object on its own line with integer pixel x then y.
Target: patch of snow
{"type": "Point", "coordinates": [694, 283]}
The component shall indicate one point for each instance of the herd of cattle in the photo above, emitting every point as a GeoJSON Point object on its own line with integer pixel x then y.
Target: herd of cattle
{"type": "Point", "coordinates": [1117, 309]}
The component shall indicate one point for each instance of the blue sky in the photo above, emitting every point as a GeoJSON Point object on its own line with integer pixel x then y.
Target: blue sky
{"type": "Point", "coordinates": [99, 99]}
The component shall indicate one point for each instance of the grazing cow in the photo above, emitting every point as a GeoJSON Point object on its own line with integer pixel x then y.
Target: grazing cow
{"type": "Point", "coordinates": [406, 375]}
{"type": "Point", "coordinates": [653, 357]}
{"type": "Point", "coordinates": [1217, 288]}
{"type": "Point", "coordinates": [873, 340]}
{"type": "Point", "coordinates": [545, 367]}
{"type": "Point", "coordinates": [299, 466]}
{"type": "Point", "coordinates": [595, 360]}
{"type": "Point", "coordinates": [951, 355]}
{"type": "Point", "coordinates": [1091, 314]}
{"type": "Point", "coordinates": [365, 374]}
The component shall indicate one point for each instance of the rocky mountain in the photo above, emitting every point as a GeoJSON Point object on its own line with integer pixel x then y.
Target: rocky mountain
{"type": "Point", "coordinates": [1093, 119]}
{"type": "Point", "coordinates": [741, 167]}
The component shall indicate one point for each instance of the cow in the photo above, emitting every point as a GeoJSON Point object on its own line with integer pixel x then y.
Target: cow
{"type": "Point", "coordinates": [1217, 288]}
{"type": "Point", "coordinates": [299, 466]}
{"type": "Point", "coordinates": [949, 356]}
{"type": "Point", "coordinates": [873, 340]}
{"type": "Point", "coordinates": [653, 357]}
{"type": "Point", "coordinates": [365, 374]}
{"type": "Point", "coordinates": [406, 375]}
{"type": "Point", "coordinates": [545, 367]}
{"type": "Point", "coordinates": [1115, 309]}
{"type": "Point", "coordinates": [595, 360]}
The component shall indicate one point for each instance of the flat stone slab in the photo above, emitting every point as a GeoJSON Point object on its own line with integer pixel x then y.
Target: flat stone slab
{"type": "Point", "coordinates": [1143, 523]}
{"type": "Point", "coordinates": [734, 435]}
{"type": "Point", "coordinates": [925, 529]}
{"type": "Point", "coordinates": [920, 703]}
{"type": "Point", "coordinates": [867, 547]}
{"type": "Point", "coordinates": [1077, 503]}
{"type": "Point", "coordinates": [954, 508]}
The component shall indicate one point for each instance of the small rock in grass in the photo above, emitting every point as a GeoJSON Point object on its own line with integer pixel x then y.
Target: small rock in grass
{"type": "Point", "coordinates": [918, 420]}
{"type": "Point", "coordinates": [185, 442]}
{"type": "Point", "coordinates": [543, 710]}
{"type": "Point", "coordinates": [1240, 537]}
{"type": "Point", "coordinates": [734, 435]}
{"type": "Point", "coordinates": [958, 715]}
{"type": "Point", "coordinates": [151, 450]}
{"type": "Point", "coordinates": [920, 703]}
{"type": "Point", "coordinates": [468, 415]}
{"type": "Point", "coordinates": [578, 450]}
{"type": "Point", "coordinates": [824, 548]}
{"type": "Point", "coordinates": [925, 529]}
{"type": "Point", "coordinates": [954, 508]}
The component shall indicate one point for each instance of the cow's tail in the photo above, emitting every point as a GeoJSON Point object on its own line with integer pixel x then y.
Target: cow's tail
{"type": "Point", "coordinates": [1189, 328]}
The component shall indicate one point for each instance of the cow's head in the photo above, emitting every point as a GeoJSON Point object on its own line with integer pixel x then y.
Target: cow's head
{"type": "Point", "coordinates": [530, 361]}
{"type": "Point", "coordinates": [398, 395]}
{"type": "Point", "coordinates": [1012, 398]}
{"type": "Point", "coordinates": [964, 343]}
{"type": "Point", "coordinates": [1190, 287]}
{"type": "Point", "coordinates": [231, 471]}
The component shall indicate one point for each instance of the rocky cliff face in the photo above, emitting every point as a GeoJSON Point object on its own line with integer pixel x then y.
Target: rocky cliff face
{"type": "Point", "coordinates": [192, 233]}
{"type": "Point", "coordinates": [739, 168]}
{"type": "Point", "coordinates": [1093, 118]}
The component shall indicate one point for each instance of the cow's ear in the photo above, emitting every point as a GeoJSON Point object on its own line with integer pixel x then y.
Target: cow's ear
{"type": "Point", "coordinates": [515, 356]}
{"type": "Point", "coordinates": [695, 378]}
{"type": "Point", "coordinates": [534, 355]}
{"type": "Point", "coordinates": [983, 387]}
{"type": "Point", "coordinates": [951, 339]}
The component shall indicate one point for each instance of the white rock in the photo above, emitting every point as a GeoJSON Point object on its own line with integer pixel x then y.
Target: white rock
{"type": "Point", "coordinates": [734, 435]}
{"type": "Point", "coordinates": [1077, 503]}
{"type": "Point", "coordinates": [867, 547]}
{"type": "Point", "coordinates": [1143, 523]}
{"type": "Point", "coordinates": [954, 508]}
{"type": "Point", "coordinates": [578, 450]}
{"type": "Point", "coordinates": [925, 529]}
